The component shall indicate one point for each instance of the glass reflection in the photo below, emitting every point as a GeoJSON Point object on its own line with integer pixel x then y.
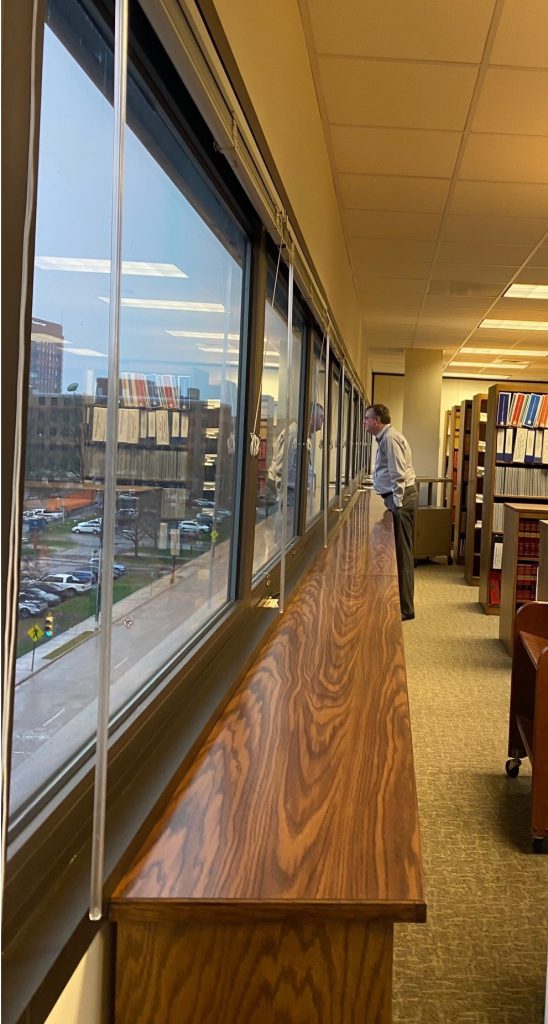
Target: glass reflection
{"type": "Point", "coordinates": [315, 440]}
{"type": "Point", "coordinates": [279, 385]}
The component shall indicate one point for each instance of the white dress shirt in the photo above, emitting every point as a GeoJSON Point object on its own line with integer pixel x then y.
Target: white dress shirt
{"type": "Point", "coordinates": [393, 466]}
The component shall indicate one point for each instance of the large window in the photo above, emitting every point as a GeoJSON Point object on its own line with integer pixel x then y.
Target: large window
{"type": "Point", "coordinates": [183, 274]}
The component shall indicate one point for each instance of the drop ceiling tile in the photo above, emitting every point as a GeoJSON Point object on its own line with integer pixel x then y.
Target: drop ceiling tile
{"type": "Point", "coordinates": [370, 269]}
{"type": "Point", "coordinates": [396, 93]}
{"type": "Point", "coordinates": [510, 230]}
{"type": "Point", "coordinates": [489, 157]}
{"type": "Point", "coordinates": [497, 337]}
{"type": "Point", "coordinates": [471, 273]}
{"type": "Point", "coordinates": [496, 198]}
{"type": "Point", "coordinates": [390, 249]}
{"type": "Point", "coordinates": [408, 195]}
{"type": "Point", "coordinates": [522, 34]}
{"type": "Point", "coordinates": [395, 292]}
{"type": "Point", "coordinates": [540, 259]}
{"type": "Point", "coordinates": [514, 101]}
{"type": "Point", "coordinates": [533, 275]}
{"type": "Point", "coordinates": [508, 256]}
{"type": "Point", "coordinates": [372, 224]}
{"type": "Point", "coordinates": [427, 30]}
{"type": "Point", "coordinates": [395, 336]}
{"type": "Point", "coordinates": [395, 151]}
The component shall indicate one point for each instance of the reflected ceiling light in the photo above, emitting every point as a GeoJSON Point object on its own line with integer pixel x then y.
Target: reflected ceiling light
{"type": "Point", "coordinates": [515, 325]}
{"type": "Point", "coordinates": [526, 291]}
{"type": "Point", "coordinates": [538, 353]}
{"type": "Point", "coordinates": [478, 376]}
{"type": "Point", "coordinates": [89, 266]}
{"type": "Point", "coordinates": [37, 336]}
{"type": "Point", "coordinates": [190, 307]}
{"type": "Point", "coordinates": [503, 366]}
{"type": "Point", "coordinates": [86, 352]}
{"type": "Point", "coordinates": [214, 335]}
{"type": "Point", "coordinates": [217, 348]}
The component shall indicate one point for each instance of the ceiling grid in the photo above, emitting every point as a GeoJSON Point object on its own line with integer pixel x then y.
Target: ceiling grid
{"type": "Point", "coordinates": [436, 123]}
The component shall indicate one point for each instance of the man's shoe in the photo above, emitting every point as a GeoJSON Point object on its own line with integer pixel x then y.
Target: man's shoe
{"type": "Point", "coordinates": [407, 615]}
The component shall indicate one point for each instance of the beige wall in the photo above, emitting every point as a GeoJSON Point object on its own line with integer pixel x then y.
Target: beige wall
{"type": "Point", "coordinates": [453, 392]}
{"type": "Point", "coordinates": [87, 996]}
{"type": "Point", "coordinates": [421, 407]}
{"type": "Point", "coordinates": [268, 43]}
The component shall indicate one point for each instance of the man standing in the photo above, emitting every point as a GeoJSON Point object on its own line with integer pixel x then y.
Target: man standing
{"type": "Point", "coordinates": [394, 480]}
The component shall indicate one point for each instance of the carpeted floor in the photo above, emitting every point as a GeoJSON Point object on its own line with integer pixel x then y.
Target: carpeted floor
{"type": "Point", "coordinates": [481, 957]}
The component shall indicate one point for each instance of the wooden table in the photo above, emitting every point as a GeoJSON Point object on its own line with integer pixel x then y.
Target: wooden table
{"type": "Point", "coordinates": [269, 888]}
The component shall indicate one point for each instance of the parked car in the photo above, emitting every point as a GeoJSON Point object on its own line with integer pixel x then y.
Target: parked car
{"type": "Point", "coordinates": [36, 593]}
{"type": "Point", "coordinates": [203, 503]}
{"type": "Point", "coordinates": [86, 576]}
{"type": "Point", "coordinates": [52, 514]}
{"type": "Point", "coordinates": [191, 526]}
{"type": "Point", "coordinates": [117, 568]}
{"type": "Point", "coordinates": [90, 526]}
{"type": "Point", "coordinates": [66, 582]}
{"type": "Point", "coordinates": [27, 608]}
{"type": "Point", "coordinates": [35, 605]}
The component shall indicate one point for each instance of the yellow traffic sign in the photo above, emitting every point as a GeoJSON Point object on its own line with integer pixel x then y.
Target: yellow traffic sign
{"type": "Point", "coordinates": [214, 534]}
{"type": "Point", "coordinates": [35, 633]}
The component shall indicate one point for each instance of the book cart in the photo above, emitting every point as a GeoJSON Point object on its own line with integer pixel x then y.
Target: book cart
{"type": "Point", "coordinates": [474, 512]}
{"type": "Point", "coordinates": [516, 471]}
{"type": "Point", "coordinates": [463, 478]}
{"type": "Point", "coordinates": [432, 524]}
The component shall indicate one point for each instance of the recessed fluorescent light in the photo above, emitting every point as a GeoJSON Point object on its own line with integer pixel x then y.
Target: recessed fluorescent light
{"type": "Point", "coordinates": [89, 266]}
{"type": "Point", "coordinates": [515, 325]}
{"type": "Point", "coordinates": [534, 353]}
{"type": "Point", "coordinates": [526, 291]}
{"type": "Point", "coordinates": [215, 335]}
{"type": "Point", "coordinates": [191, 307]}
{"type": "Point", "coordinates": [503, 366]}
{"type": "Point", "coordinates": [478, 376]}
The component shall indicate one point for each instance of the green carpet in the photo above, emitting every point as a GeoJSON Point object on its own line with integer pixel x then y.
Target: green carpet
{"type": "Point", "coordinates": [481, 957]}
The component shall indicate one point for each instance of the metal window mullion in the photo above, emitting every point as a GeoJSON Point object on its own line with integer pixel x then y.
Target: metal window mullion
{"type": "Point", "coordinates": [109, 498]}
{"type": "Point", "coordinates": [286, 436]}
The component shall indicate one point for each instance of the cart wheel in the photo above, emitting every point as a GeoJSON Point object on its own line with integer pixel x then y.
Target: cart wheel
{"type": "Point", "coordinates": [449, 560]}
{"type": "Point", "coordinates": [512, 767]}
{"type": "Point", "coordinates": [538, 844]}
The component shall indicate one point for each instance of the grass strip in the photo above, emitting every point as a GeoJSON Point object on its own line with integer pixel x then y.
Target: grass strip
{"type": "Point", "coordinates": [69, 645]}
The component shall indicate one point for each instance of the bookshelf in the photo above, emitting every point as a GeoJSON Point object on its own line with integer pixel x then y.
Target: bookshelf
{"type": "Point", "coordinates": [446, 463]}
{"type": "Point", "coordinates": [516, 470]}
{"type": "Point", "coordinates": [452, 472]}
{"type": "Point", "coordinates": [520, 563]}
{"type": "Point", "coordinates": [474, 511]}
{"type": "Point", "coordinates": [463, 478]}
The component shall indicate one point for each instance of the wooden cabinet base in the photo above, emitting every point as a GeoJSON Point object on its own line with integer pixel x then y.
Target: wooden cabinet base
{"type": "Point", "coordinates": [262, 973]}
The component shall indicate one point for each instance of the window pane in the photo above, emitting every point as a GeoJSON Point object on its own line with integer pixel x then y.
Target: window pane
{"type": "Point", "coordinates": [334, 434]}
{"type": "Point", "coordinates": [184, 265]}
{"type": "Point", "coordinates": [346, 436]}
{"type": "Point", "coordinates": [56, 681]}
{"type": "Point", "coordinates": [178, 401]}
{"type": "Point", "coordinates": [273, 424]}
{"type": "Point", "coordinates": [316, 434]}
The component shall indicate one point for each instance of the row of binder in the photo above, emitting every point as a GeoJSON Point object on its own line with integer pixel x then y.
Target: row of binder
{"type": "Point", "coordinates": [521, 444]}
{"type": "Point", "coordinates": [520, 409]}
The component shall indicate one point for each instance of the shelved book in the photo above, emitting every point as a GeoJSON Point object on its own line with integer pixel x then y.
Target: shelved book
{"type": "Point", "coordinates": [147, 391]}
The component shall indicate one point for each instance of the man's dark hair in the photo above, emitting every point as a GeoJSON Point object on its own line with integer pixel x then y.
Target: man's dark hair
{"type": "Point", "coordinates": [381, 412]}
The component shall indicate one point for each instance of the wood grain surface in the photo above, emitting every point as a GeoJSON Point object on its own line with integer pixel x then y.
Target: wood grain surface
{"type": "Point", "coordinates": [304, 794]}
{"type": "Point", "coordinates": [274, 973]}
